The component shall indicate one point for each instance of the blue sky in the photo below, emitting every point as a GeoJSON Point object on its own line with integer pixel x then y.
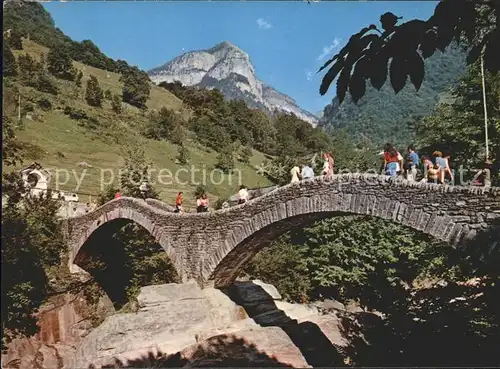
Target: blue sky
{"type": "Point", "coordinates": [287, 41]}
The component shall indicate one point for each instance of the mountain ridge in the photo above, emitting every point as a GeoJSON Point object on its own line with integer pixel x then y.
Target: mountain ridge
{"type": "Point", "coordinates": [228, 68]}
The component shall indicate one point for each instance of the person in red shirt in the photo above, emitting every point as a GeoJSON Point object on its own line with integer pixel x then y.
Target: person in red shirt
{"type": "Point", "coordinates": [178, 203]}
{"type": "Point", "coordinates": [117, 195]}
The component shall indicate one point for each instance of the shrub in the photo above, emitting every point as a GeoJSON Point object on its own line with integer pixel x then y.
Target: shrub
{"type": "Point", "coordinates": [45, 104]}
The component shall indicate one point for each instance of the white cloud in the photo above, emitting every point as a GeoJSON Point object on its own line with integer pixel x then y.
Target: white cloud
{"type": "Point", "coordinates": [327, 50]}
{"type": "Point", "coordinates": [309, 74]}
{"type": "Point", "coordinates": [263, 24]}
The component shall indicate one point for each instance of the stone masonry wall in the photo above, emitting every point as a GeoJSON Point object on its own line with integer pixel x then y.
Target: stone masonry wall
{"type": "Point", "coordinates": [212, 247]}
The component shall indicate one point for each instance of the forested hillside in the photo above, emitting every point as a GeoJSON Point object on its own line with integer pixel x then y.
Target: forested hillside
{"type": "Point", "coordinates": [382, 116]}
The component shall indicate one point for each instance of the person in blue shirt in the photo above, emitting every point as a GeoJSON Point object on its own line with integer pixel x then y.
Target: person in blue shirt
{"type": "Point", "coordinates": [414, 159]}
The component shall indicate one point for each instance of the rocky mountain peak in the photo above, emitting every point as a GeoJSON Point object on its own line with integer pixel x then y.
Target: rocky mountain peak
{"type": "Point", "coordinates": [228, 68]}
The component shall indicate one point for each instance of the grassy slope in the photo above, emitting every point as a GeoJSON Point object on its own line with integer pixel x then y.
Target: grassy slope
{"type": "Point", "coordinates": [58, 134]}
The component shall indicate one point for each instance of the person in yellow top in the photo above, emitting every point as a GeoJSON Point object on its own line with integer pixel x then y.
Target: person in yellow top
{"type": "Point", "coordinates": [295, 172]}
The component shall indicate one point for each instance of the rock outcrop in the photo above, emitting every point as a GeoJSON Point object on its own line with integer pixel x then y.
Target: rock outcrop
{"type": "Point", "coordinates": [184, 325]}
{"type": "Point", "coordinates": [228, 68]}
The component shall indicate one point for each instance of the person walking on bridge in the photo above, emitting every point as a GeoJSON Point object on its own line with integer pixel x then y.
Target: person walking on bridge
{"type": "Point", "coordinates": [307, 172]}
{"type": "Point", "coordinates": [202, 204]}
{"type": "Point", "coordinates": [243, 195]}
{"type": "Point", "coordinates": [295, 172]}
{"type": "Point", "coordinates": [178, 203]}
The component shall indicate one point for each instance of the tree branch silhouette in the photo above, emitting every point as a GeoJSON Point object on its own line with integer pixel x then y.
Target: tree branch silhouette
{"type": "Point", "coordinates": [397, 51]}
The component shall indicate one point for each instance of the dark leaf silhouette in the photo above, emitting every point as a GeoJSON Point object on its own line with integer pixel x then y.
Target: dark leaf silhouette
{"type": "Point", "coordinates": [474, 54]}
{"type": "Point", "coordinates": [389, 21]}
{"type": "Point", "coordinates": [398, 73]}
{"type": "Point", "coordinates": [453, 20]}
{"type": "Point", "coordinates": [415, 66]}
{"type": "Point", "coordinates": [330, 76]}
{"type": "Point", "coordinates": [428, 45]}
{"type": "Point", "coordinates": [378, 74]}
{"type": "Point", "coordinates": [342, 83]}
{"type": "Point", "coordinates": [357, 84]}
{"type": "Point", "coordinates": [328, 62]}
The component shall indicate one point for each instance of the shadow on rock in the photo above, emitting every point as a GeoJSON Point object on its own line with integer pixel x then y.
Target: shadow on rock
{"type": "Point", "coordinates": [307, 336]}
{"type": "Point", "coordinates": [220, 351]}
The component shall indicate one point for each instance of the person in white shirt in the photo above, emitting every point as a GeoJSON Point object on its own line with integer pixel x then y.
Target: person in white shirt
{"type": "Point", "coordinates": [307, 172]}
{"type": "Point", "coordinates": [295, 172]}
{"type": "Point", "coordinates": [242, 195]}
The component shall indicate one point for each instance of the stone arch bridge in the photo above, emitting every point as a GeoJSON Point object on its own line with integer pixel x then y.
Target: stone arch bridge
{"type": "Point", "coordinates": [211, 248]}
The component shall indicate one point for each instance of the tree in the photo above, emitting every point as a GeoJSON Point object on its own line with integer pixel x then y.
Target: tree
{"type": "Point", "coordinates": [9, 63]}
{"type": "Point", "coordinates": [11, 147]}
{"type": "Point", "coordinates": [136, 171]}
{"type": "Point", "coordinates": [225, 160]}
{"type": "Point", "coordinates": [183, 155]}
{"type": "Point", "coordinates": [28, 68]}
{"type": "Point", "coordinates": [367, 54]}
{"type": "Point", "coordinates": [246, 154]}
{"type": "Point", "coordinates": [459, 124]}
{"type": "Point", "coordinates": [45, 83]}
{"type": "Point", "coordinates": [60, 65]}
{"type": "Point", "coordinates": [14, 41]}
{"type": "Point", "coordinates": [78, 78]}
{"type": "Point", "coordinates": [93, 94]}
{"type": "Point", "coordinates": [116, 104]}
{"type": "Point", "coordinates": [166, 125]}
{"type": "Point", "coordinates": [136, 88]}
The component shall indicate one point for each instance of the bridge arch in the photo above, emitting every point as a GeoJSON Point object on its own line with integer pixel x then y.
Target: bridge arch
{"type": "Point", "coordinates": [80, 229]}
{"type": "Point", "coordinates": [451, 214]}
{"type": "Point", "coordinates": [211, 247]}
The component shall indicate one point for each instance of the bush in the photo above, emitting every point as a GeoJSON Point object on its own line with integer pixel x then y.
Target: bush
{"type": "Point", "coordinates": [77, 114]}
{"type": "Point", "coordinates": [93, 94]}
{"type": "Point", "coordinates": [9, 63]}
{"type": "Point", "coordinates": [108, 95]}
{"type": "Point", "coordinates": [116, 104]}
{"type": "Point", "coordinates": [136, 88]}
{"type": "Point", "coordinates": [45, 104]}
{"type": "Point", "coordinates": [45, 84]}
{"type": "Point", "coordinates": [200, 190]}
{"type": "Point", "coordinates": [78, 78]}
{"type": "Point", "coordinates": [183, 155]}
{"type": "Point", "coordinates": [60, 65]}
{"type": "Point", "coordinates": [225, 161]}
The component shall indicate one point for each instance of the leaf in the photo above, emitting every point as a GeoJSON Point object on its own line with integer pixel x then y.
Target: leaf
{"type": "Point", "coordinates": [428, 44]}
{"type": "Point", "coordinates": [416, 70]}
{"type": "Point", "coordinates": [330, 76]}
{"type": "Point", "coordinates": [342, 83]}
{"type": "Point", "coordinates": [389, 21]}
{"type": "Point", "coordinates": [357, 84]}
{"type": "Point", "coordinates": [328, 63]}
{"type": "Point", "coordinates": [398, 73]}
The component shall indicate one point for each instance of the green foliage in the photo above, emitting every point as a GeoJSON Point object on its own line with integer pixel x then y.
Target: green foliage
{"type": "Point", "coordinates": [93, 93]}
{"type": "Point", "coordinates": [28, 67]}
{"type": "Point", "coordinates": [45, 83]}
{"type": "Point", "coordinates": [131, 259]}
{"type": "Point", "coordinates": [10, 145]}
{"type": "Point", "coordinates": [381, 116]}
{"type": "Point", "coordinates": [45, 104]}
{"type": "Point", "coordinates": [14, 41]}
{"type": "Point", "coordinates": [32, 243]}
{"type": "Point", "coordinates": [136, 88]}
{"type": "Point", "coordinates": [284, 265]}
{"type": "Point", "coordinates": [9, 63]}
{"type": "Point", "coordinates": [225, 160]}
{"type": "Point", "coordinates": [200, 190]}
{"type": "Point", "coordinates": [183, 155]}
{"type": "Point", "coordinates": [78, 78]}
{"type": "Point", "coordinates": [351, 257]}
{"type": "Point", "coordinates": [33, 21]}
{"type": "Point", "coordinates": [116, 104]}
{"type": "Point", "coordinates": [60, 65]}
{"type": "Point", "coordinates": [166, 125]}
{"type": "Point", "coordinates": [459, 124]}
{"type": "Point", "coordinates": [136, 170]}
{"type": "Point", "coordinates": [246, 154]}
{"type": "Point", "coordinates": [106, 195]}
